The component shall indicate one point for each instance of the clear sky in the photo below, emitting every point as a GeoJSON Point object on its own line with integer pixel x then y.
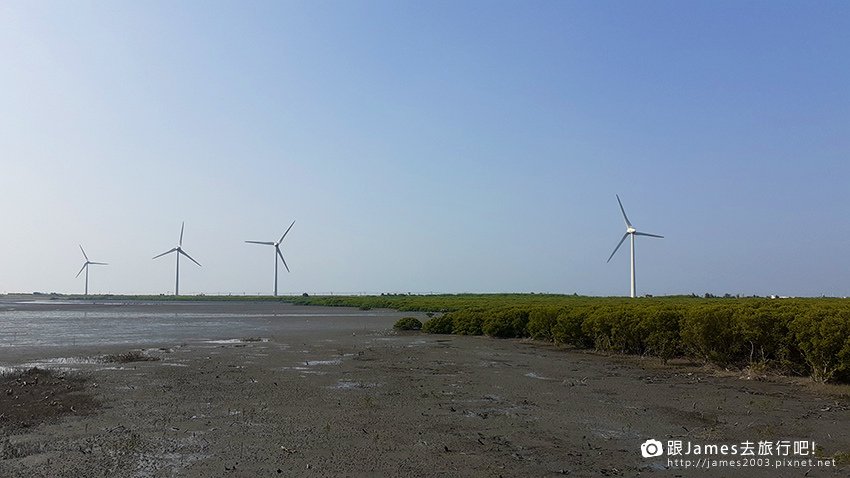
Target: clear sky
{"type": "Point", "coordinates": [426, 146]}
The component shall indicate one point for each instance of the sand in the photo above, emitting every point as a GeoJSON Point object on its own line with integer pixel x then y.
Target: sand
{"type": "Point", "coordinates": [358, 399]}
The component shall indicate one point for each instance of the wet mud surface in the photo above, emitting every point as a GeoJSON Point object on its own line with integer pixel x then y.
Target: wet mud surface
{"type": "Point", "coordinates": [357, 399]}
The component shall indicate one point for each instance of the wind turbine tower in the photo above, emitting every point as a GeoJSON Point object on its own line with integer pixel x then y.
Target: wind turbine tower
{"type": "Point", "coordinates": [178, 250]}
{"type": "Point", "coordinates": [277, 253]}
{"type": "Point", "coordinates": [86, 267]}
{"type": "Point", "coordinates": [630, 232]}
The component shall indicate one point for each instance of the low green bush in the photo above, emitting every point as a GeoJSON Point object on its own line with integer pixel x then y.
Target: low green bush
{"type": "Point", "coordinates": [541, 321]}
{"type": "Point", "coordinates": [568, 328]}
{"type": "Point", "coordinates": [408, 323]}
{"type": "Point", "coordinates": [711, 334]}
{"type": "Point", "coordinates": [598, 327]}
{"type": "Point", "coordinates": [438, 325]}
{"type": "Point", "coordinates": [766, 336]}
{"type": "Point", "coordinates": [467, 322]}
{"type": "Point", "coordinates": [823, 336]}
{"type": "Point", "coordinates": [506, 324]}
{"type": "Point", "coordinates": [627, 335]}
{"type": "Point", "coordinates": [661, 332]}
{"type": "Point", "coordinates": [619, 329]}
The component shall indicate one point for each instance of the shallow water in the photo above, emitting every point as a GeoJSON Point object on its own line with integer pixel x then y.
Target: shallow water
{"type": "Point", "coordinates": [70, 325]}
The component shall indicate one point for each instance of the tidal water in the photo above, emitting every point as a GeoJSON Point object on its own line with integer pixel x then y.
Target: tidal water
{"type": "Point", "coordinates": [51, 324]}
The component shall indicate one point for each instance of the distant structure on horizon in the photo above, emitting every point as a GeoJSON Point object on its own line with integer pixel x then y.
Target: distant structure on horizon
{"type": "Point", "coordinates": [86, 267]}
{"type": "Point", "coordinates": [178, 250]}
{"type": "Point", "coordinates": [630, 231]}
{"type": "Point", "coordinates": [277, 253]}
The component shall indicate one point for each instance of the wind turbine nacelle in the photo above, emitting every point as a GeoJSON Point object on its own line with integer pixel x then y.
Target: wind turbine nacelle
{"type": "Point", "coordinates": [631, 230]}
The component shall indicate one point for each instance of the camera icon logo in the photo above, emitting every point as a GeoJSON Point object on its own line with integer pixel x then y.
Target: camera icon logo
{"type": "Point", "coordinates": [651, 448]}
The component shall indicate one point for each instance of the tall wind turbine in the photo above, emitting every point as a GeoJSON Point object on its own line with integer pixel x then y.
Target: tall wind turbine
{"type": "Point", "coordinates": [178, 250]}
{"type": "Point", "coordinates": [86, 267]}
{"type": "Point", "coordinates": [630, 231]}
{"type": "Point", "coordinates": [277, 253]}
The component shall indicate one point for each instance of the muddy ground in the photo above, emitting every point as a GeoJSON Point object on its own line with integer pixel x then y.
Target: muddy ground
{"type": "Point", "coordinates": [365, 401]}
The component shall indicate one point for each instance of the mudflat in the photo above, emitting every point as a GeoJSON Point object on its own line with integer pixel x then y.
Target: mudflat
{"type": "Point", "coordinates": [269, 389]}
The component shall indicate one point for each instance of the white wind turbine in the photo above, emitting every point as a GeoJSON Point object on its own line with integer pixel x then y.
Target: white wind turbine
{"type": "Point", "coordinates": [630, 231]}
{"type": "Point", "coordinates": [86, 267]}
{"type": "Point", "coordinates": [277, 253]}
{"type": "Point", "coordinates": [179, 250]}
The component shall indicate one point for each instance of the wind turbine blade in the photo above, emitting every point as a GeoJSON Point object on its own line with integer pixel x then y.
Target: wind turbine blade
{"type": "Point", "coordinates": [285, 233]}
{"type": "Point", "coordinates": [190, 257]}
{"type": "Point", "coordinates": [181, 233]}
{"type": "Point", "coordinates": [265, 243]}
{"type": "Point", "coordinates": [282, 259]}
{"type": "Point", "coordinates": [81, 270]}
{"type": "Point", "coordinates": [99, 263]}
{"type": "Point", "coordinates": [618, 246]}
{"type": "Point", "coordinates": [166, 252]}
{"type": "Point", "coordinates": [649, 235]}
{"type": "Point", "coordinates": [628, 224]}
{"type": "Point", "coordinates": [84, 252]}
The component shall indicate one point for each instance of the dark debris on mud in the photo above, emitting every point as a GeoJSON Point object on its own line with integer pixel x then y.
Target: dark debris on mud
{"type": "Point", "coordinates": [31, 397]}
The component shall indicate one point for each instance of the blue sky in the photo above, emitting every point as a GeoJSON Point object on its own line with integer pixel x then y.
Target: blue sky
{"type": "Point", "coordinates": [426, 146]}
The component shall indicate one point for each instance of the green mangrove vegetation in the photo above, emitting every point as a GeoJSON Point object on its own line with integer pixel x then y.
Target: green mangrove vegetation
{"type": "Point", "coordinates": [792, 336]}
{"type": "Point", "coordinates": [408, 323]}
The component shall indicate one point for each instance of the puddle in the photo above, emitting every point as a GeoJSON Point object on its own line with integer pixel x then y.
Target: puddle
{"type": "Point", "coordinates": [64, 361]}
{"type": "Point", "coordinates": [302, 370]}
{"type": "Point", "coordinates": [75, 363]}
{"type": "Point", "coordinates": [294, 368]}
{"type": "Point", "coordinates": [237, 341]}
{"type": "Point", "coordinates": [323, 362]}
{"type": "Point", "coordinates": [349, 385]}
